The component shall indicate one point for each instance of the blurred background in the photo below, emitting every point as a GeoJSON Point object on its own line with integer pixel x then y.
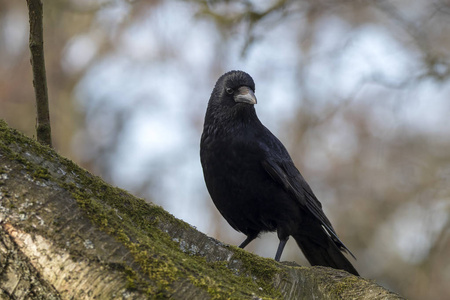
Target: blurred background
{"type": "Point", "coordinates": [358, 91]}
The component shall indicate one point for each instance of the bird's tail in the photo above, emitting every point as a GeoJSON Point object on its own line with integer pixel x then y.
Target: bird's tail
{"type": "Point", "coordinates": [324, 251]}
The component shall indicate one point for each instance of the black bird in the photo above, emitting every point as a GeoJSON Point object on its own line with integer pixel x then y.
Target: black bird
{"type": "Point", "coordinates": [254, 183]}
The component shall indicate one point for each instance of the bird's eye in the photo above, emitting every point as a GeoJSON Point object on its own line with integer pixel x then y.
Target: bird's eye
{"type": "Point", "coordinates": [229, 91]}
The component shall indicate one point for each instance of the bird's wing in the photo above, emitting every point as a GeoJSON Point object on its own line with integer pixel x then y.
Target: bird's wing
{"type": "Point", "coordinates": [284, 172]}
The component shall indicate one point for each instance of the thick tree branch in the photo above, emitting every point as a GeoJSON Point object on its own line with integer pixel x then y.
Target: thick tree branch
{"type": "Point", "coordinates": [36, 43]}
{"type": "Point", "coordinates": [66, 234]}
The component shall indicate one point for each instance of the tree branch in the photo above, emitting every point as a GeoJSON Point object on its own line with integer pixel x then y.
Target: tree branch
{"type": "Point", "coordinates": [36, 43]}
{"type": "Point", "coordinates": [75, 237]}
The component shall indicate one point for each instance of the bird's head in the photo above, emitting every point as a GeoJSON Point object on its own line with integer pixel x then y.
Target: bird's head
{"type": "Point", "coordinates": [234, 88]}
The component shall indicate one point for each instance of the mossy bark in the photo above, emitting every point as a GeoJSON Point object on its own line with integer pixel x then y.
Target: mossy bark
{"type": "Point", "coordinates": [66, 234]}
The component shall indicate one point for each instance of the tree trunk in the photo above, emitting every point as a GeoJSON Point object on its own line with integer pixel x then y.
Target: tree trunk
{"type": "Point", "coordinates": [66, 234]}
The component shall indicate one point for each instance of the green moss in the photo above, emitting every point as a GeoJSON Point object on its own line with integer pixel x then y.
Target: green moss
{"type": "Point", "coordinates": [22, 143]}
{"type": "Point", "coordinates": [132, 278]}
{"type": "Point", "coordinates": [41, 173]}
{"type": "Point", "coordinates": [160, 257]}
{"type": "Point", "coordinates": [263, 268]}
{"type": "Point", "coordinates": [347, 283]}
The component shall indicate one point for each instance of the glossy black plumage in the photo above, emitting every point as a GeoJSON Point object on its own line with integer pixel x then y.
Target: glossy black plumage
{"type": "Point", "coordinates": [254, 183]}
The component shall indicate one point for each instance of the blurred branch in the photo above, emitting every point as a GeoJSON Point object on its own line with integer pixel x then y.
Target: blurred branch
{"type": "Point", "coordinates": [437, 65]}
{"type": "Point", "coordinates": [442, 7]}
{"type": "Point", "coordinates": [249, 15]}
{"type": "Point", "coordinates": [43, 129]}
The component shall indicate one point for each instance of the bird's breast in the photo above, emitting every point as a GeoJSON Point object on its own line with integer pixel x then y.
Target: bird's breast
{"type": "Point", "coordinates": [239, 186]}
{"type": "Point", "coordinates": [231, 167]}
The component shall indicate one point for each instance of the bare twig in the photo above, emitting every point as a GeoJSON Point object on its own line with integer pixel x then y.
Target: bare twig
{"type": "Point", "coordinates": [43, 129]}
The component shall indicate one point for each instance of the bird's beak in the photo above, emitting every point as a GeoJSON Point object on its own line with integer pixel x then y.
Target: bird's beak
{"type": "Point", "coordinates": [245, 95]}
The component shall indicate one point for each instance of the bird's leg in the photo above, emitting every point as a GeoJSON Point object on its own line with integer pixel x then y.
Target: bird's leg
{"type": "Point", "coordinates": [280, 248]}
{"type": "Point", "coordinates": [247, 241]}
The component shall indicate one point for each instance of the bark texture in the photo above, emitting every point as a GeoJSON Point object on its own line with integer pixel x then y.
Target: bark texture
{"type": "Point", "coordinates": [66, 234]}
{"type": "Point", "coordinates": [36, 43]}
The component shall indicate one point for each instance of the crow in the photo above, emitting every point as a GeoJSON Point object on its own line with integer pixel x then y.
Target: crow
{"type": "Point", "coordinates": [253, 181]}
